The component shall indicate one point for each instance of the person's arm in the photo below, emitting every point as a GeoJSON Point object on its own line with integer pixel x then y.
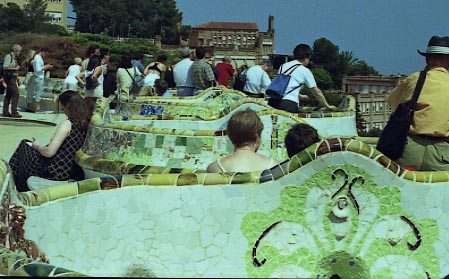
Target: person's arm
{"type": "Point", "coordinates": [266, 81]}
{"type": "Point", "coordinates": [60, 135]}
{"type": "Point", "coordinates": [97, 72]}
{"type": "Point", "coordinates": [320, 98]}
{"type": "Point", "coordinates": [145, 72]}
{"type": "Point", "coordinates": [80, 78]}
{"type": "Point", "coordinates": [210, 76]}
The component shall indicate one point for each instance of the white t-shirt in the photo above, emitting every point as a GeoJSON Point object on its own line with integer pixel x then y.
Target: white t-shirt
{"type": "Point", "coordinates": [73, 71]}
{"type": "Point", "coordinates": [38, 66]}
{"type": "Point", "coordinates": [182, 72]}
{"type": "Point", "coordinates": [301, 75]}
{"type": "Point", "coordinates": [256, 79]}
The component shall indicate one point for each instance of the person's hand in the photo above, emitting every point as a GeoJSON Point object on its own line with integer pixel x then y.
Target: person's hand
{"type": "Point", "coordinates": [303, 97]}
{"type": "Point", "coordinates": [330, 108]}
{"type": "Point", "coordinates": [34, 144]}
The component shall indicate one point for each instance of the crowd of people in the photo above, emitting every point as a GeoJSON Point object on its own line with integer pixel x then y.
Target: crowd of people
{"type": "Point", "coordinates": [427, 147]}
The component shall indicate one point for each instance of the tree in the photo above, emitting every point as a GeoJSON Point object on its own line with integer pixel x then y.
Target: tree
{"type": "Point", "coordinates": [323, 78]}
{"type": "Point", "coordinates": [361, 68]}
{"type": "Point", "coordinates": [13, 18]}
{"type": "Point", "coordinates": [35, 11]}
{"type": "Point", "coordinates": [135, 19]}
{"type": "Point", "coordinates": [349, 57]}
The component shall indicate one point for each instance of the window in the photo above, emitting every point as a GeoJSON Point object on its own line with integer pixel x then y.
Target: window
{"type": "Point", "coordinates": [55, 16]}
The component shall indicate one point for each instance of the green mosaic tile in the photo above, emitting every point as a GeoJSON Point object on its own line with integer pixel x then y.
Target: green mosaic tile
{"type": "Point", "coordinates": [159, 141]}
{"type": "Point", "coordinates": [181, 141]}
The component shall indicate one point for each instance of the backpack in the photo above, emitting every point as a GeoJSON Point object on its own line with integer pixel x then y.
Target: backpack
{"type": "Point", "coordinates": [90, 84]}
{"type": "Point", "coordinates": [137, 83]}
{"type": "Point", "coordinates": [278, 86]}
{"type": "Point", "coordinates": [240, 81]}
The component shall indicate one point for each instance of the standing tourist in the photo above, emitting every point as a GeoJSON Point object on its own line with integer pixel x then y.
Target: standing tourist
{"type": "Point", "coordinates": [91, 51]}
{"type": "Point", "coordinates": [71, 81]}
{"type": "Point", "coordinates": [182, 73]}
{"type": "Point", "coordinates": [125, 74]}
{"type": "Point", "coordinates": [301, 75]}
{"type": "Point", "coordinates": [29, 80]}
{"type": "Point", "coordinates": [427, 147]}
{"type": "Point", "coordinates": [155, 70]}
{"type": "Point", "coordinates": [202, 74]}
{"type": "Point", "coordinates": [39, 74]}
{"type": "Point", "coordinates": [138, 62]}
{"type": "Point", "coordinates": [11, 72]}
{"type": "Point", "coordinates": [257, 79]}
{"type": "Point", "coordinates": [56, 159]}
{"type": "Point", "coordinates": [225, 71]}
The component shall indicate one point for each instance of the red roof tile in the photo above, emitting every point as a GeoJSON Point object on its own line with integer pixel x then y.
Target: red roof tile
{"type": "Point", "coordinates": [228, 25]}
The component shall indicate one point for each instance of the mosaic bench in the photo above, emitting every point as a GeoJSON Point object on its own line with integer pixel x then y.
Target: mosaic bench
{"type": "Point", "coordinates": [337, 209]}
{"type": "Point", "coordinates": [222, 103]}
{"type": "Point", "coordinates": [121, 148]}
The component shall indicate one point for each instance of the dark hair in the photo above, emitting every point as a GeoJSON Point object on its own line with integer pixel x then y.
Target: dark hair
{"type": "Point", "coordinates": [161, 58]}
{"type": "Point", "coordinates": [302, 51]}
{"type": "Point", "coordinates": [299, 137]}
{"type": "Point", "coordinates": [94, 62]}
{"type": "Point", "coordinates": [125, 61]}
{"type": "Point", "coordinates": [200, 52]}
{"type": "Point", "coordinates": [75, 108]}
{"type": "Point", "coordinates": [160, 86]}
{"type": "Point", "coordinates": [103, 52]}
{"type": "Point", "coordinates": [244, 127]}
{"type": "Point", "coordinates": [138, 56]}
{"type": "Point", "coordinates": [91, 50]}
{"type": "Point", "coordinates": [45, 49]}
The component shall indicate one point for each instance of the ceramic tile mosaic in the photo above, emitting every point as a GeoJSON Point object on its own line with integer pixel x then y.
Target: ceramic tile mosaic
{"type": "Point", "coordinates": [323, 217]}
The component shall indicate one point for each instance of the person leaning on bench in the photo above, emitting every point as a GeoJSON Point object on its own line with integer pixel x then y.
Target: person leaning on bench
{"type": "Point", "coordinates": [427, 147]}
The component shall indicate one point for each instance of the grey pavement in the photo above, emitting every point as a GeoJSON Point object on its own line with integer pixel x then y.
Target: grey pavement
{"type": "Point", "coordinates": [31, 125]}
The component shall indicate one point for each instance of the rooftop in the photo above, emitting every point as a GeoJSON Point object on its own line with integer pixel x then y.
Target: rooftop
{"type": "Point", "coordinates": [228, 25]}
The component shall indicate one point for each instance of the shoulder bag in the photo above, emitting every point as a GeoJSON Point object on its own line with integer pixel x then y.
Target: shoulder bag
{"type": "Point", "coordinates": [394, 136]}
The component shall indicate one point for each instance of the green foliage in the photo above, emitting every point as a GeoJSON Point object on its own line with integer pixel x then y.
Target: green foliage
{"type": "Point", "coordinates": [35, 11]}
{"type": "Point", "coordinates": [132, 19]}
{"type": "Point", "coordinates": [332, 99]}
{"type": "Point", "coordinates": [323, 78]}
{"type": "Point", "coordinates": [361, 68]}
{"type": "Point", "coordinates": [338, 64]}
{"type": "Point", "coordinates": [374, 132]}
{"type": "Point", "coordinates": [13, 18]}
{"type": "Point", "coordinates": [360, 123]}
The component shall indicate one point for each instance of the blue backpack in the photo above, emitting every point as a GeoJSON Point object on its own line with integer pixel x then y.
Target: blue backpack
{"type": "Point", "coordinates": [277, 88]}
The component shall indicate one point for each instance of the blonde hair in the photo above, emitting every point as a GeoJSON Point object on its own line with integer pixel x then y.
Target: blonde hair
{"type": "Point", "coordinates": [244, 128]}
{"type": "Point", "coordinates": [78, 60]}
{"type": "Point", "coordinates": [30, 55]}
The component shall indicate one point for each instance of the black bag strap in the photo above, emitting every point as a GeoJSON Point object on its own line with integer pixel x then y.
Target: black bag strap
{"type": "Point", "coordinates": [291, 69]}
{"type": "Point", "coordinates": [419, 85]}
{"type": "Point", "coordinates": [131, 75]}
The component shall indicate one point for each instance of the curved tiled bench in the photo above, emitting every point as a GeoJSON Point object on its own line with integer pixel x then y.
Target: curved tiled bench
{"type": "Point", "coordinates": [18, 255]}
{"type": "Point", "coordinates": [337, 208]}
{"type": "Point", "coordinates": [120, 148]}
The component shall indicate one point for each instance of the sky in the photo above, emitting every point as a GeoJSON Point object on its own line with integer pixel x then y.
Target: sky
{"type": "Point", "coordinates": [384, 33]}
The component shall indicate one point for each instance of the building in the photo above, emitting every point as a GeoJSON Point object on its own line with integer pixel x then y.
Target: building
{"type": "Point", "coordinates": [56, 9]}
{"type": "Point", "coordinates": [242, 41]}
{"type": "Point", "coordinates": [370, 93]}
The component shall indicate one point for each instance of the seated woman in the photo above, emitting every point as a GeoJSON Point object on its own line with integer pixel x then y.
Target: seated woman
{"type": "Point", "coordinates": [55, 160]}
{"type": "Point", "coordinates": [299, 137]}
{"type": "Point", "coordinates": [244, 131]}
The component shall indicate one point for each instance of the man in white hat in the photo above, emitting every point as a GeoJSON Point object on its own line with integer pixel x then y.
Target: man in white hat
{"type": "Point", "coordinates": [427, 147]}
{"type": "Point", "coordinates": [182, 72]}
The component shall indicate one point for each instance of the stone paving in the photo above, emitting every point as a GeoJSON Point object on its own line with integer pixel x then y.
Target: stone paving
{"type": "Point", "coordinates": [12, 131]}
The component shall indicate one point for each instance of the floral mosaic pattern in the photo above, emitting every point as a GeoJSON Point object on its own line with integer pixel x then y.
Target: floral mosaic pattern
{"type": "Point", "coordinates": [340, 223]}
